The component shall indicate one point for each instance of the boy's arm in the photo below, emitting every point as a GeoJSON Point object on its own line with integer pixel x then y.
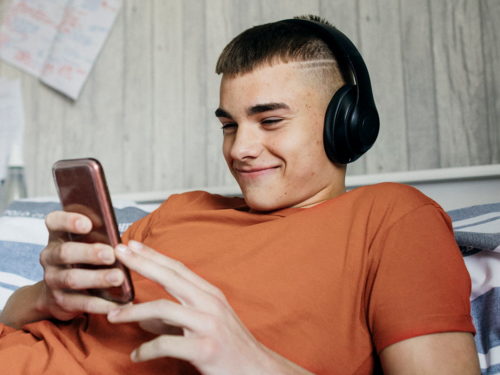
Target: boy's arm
{"type": "Point", "coordinates": [446, 353]}
{"type": "Point", "coordinates": [21, 307]}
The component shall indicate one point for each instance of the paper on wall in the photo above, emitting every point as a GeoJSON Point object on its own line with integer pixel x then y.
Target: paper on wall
{"type": "Point", "coordinates": [28, 31]}
{"type": "Point", "coordinates": [57, 40]}
{"type": "Point", "coordinates": [82, 33]}
{"type": "Point", "coordinates": [11, 121]}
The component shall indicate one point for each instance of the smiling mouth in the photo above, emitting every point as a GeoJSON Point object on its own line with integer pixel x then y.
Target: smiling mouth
{"type": "Point", "coordinates": [254, 172]}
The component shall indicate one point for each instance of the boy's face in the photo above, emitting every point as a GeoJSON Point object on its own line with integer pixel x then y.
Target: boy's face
{"type": "Point", "coordinates": [272, 122]}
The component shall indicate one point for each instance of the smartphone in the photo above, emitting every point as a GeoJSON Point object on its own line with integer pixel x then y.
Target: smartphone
{"type": "Point", "coordinates": [82, 188]}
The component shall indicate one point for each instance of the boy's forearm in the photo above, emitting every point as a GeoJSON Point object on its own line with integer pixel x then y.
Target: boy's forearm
{"type": "Point", "coordinates": [21, 308]}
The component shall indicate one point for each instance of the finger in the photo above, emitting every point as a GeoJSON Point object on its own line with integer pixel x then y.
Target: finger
{"type": "Point", "coordinates": [183, 290]}
{"type": "Point", "coordinates": [168, 312]}
{"type": "Point", "coordinates": [79, 279]}
{"type": "Point", "coordinates": [60, 221]}
{"type": "Point", "coordinates": [158, 327]}
{"type": "Point", "coordinates": [70, 253]}
{"type": "Point", "coordinates": [187, 348]}
{"type": "Point", "coordinates": [175, 265]}
{"type": "Point", "coordinates": [78, 302]}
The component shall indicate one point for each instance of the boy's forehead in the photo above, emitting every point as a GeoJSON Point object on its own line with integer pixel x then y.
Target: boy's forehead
{"type": "Point", "coordinates": [269, 83]}
{"type": "Point", "coordinates": [240, 93]}
{"type": "Point", "coordinates": [300, 73]}
{"type": "Point", "coordinates": [264, 70]}
{"type": "Point", "coordinates": [270, 77]}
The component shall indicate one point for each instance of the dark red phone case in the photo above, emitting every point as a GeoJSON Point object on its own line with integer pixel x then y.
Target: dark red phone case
{"type": "Point", "coordinates": [82, 188]}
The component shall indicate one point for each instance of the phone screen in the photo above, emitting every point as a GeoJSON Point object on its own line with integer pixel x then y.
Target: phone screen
{"type": "Point", "coordinates": [82, 189]}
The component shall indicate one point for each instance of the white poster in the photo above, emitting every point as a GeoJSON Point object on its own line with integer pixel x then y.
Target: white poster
{"type": "Point", "coordinates": [57, 40]}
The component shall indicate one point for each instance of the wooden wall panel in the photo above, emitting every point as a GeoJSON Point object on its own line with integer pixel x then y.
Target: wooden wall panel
{"type": "Point", "coordinates": [490, 30]}
{"type": "Point", "coordinates": [137, 102]}
{"type": "Point", "coordinates": [460, 83]}
{"type": "Point", "coordinates": [381, 43]}
{"type": "Point", "coordinates": [146, 110]}
{"type": "Point", "coordinates": [105, 93]}
{"type": "Point", "coordinates": [221, 27]}
{"type": "Point", "coordinates": [245, 14]}
{"type": "Point", "coordinates": [51, 111]}
{"type": "Point", "coordinates": [167, 96]}
{"type": "Point", "coordinates": [281, 9]}
{"type": "Point", "coordinates": [419, 88]}
{"type": "Point", "coordinates": [194, 93]}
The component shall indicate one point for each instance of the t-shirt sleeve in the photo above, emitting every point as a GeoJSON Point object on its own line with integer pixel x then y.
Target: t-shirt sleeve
{"type": "Point", "coordinates": [418, 283]}
{"type": "Point", "coordinates": [139, 230]}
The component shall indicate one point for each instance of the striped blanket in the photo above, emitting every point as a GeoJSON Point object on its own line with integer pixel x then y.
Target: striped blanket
{"type": "Point", "coordinates": [477, 231]}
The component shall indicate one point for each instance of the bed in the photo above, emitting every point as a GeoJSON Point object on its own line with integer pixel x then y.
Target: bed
{"type": "Point", "coordinates": [470, 195]}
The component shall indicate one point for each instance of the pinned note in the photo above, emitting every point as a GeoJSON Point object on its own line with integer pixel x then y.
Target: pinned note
{"type": "Point", "coordinates": [57, 40]}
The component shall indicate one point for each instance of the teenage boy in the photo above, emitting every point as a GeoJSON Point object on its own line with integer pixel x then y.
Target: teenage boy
{"type": "Point", "coordinates": [298, 277]}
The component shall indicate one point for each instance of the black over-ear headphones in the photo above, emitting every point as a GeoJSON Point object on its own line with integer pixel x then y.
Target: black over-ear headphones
{"type": "Point", "coordinates": [351, 119]}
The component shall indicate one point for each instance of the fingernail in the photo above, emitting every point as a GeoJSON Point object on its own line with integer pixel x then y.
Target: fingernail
{"type": "Point", "coordinates": [59, 298]}
{"type": "Point", "coordinates": [135, 246]}
{"type": "Point", "coordinates": [83, 225]}
{"type": "Point", "coordinates": [106, 256]}
{"type": "Point", "coordinates": [114, 277]}
{"type": "Point", "coordinates": [113, 315]}
{"type": "Point", "coordinates": [123, 249]}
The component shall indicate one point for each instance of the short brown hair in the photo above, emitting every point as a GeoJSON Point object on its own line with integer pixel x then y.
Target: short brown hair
{"type": "Point", "coordinates": [272, 43]}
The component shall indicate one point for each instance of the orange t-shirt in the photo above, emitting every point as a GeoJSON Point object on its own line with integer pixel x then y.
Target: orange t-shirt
{"type": "Point", "coordinates": [328, 287]}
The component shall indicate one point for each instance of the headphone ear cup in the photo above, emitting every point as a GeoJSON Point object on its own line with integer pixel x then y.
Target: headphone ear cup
{"type": "Point", "coordinates": [350, 130]}
{"type": "Point", "coordinates": [336, 133]}
{"type": "Point", "coordinates": [364, 129]}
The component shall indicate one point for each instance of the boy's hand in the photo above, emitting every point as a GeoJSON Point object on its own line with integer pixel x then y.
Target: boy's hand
{"type": "Point", "coordinates": [63, 293]}
{"type": "Point", "coordinates": [215, 340]}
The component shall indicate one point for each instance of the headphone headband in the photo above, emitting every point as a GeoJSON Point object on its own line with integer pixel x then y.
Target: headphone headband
{"type": "Point", "coordinates": [345, 52]}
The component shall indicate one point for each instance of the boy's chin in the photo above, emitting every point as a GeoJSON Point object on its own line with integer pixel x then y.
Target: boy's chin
{"type": "Point", "coordinates": [261, 202]}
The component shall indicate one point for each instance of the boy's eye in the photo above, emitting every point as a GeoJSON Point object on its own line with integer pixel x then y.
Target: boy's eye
{"type": "Point", "coordinates": [271, 120]}
{"type": "Point", "coordinates": [228, 128]}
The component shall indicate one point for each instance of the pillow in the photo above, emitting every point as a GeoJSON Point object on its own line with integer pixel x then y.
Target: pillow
{"type": "Point", "coordinates": [477, 227]}
{"type": "Point", "coordinates": [23, 235]}
{"type": "Point", "coordinates": [477, 231]}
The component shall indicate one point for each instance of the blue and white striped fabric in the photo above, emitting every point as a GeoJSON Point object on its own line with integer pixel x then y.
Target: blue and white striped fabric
{"type": "Point", "coordinates": [477, 231]}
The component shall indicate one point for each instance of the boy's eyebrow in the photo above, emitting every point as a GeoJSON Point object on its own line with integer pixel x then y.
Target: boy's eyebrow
{"type": "Point", "coordinates": [258, 108]}
{"type": "Point", "coordinates": [219, 112]}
